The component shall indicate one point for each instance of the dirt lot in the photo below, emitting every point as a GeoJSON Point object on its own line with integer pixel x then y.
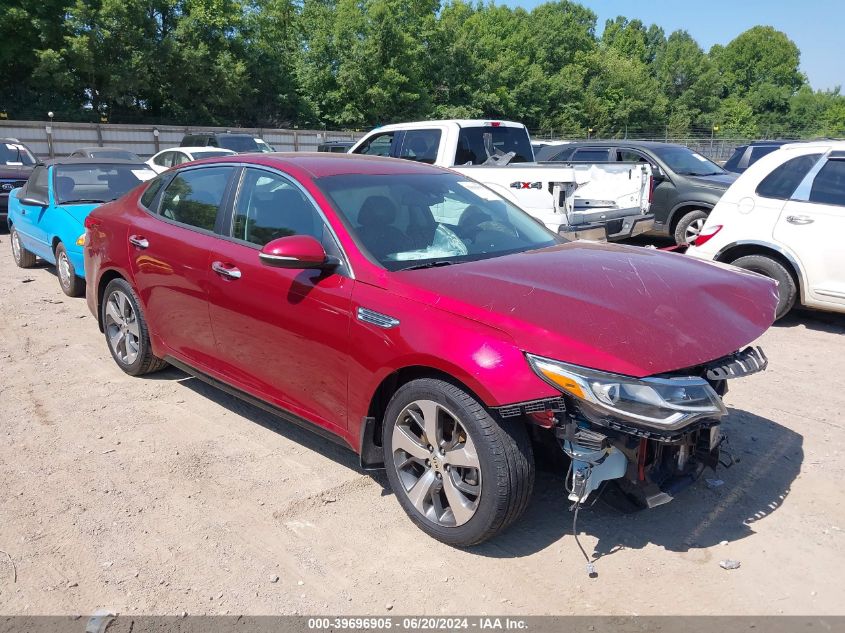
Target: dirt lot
{"type": "Point", "coordinates": [162, 495]}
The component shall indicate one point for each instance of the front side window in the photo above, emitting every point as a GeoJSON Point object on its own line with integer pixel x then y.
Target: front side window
{"type": "Point", "coordinates": [165, 159]}
{"type": "Point", "coordinates": [422, 219]}
{"type": "Point", "coordinates": [270, 206]}
{"type": "Point", "coordinates": [378, 145]}
{"type": "Point", "coordinates": [420, 146]}
{"type": "Point", "coordinates": [630, 156]}
{"type": "Point", "coordinates": [194, 196]}
{"type": "Point", "coordinates": [781, 183]}
{"type": "Point", "coordinates": [829, 184]}
{"type": "Point", "coordinates": [97, 183]}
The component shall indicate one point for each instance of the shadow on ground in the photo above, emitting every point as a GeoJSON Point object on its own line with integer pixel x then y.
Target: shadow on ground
{"type": "Point", "coordinates": [831, 322]}
{"type": "Point", "coordinates": [768, 458]}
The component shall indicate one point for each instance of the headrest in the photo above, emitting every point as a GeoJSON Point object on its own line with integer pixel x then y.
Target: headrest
{"type": "Point", "coordinates": [377, 211]}
{"type": "Point", "coordinates": [64, 186]}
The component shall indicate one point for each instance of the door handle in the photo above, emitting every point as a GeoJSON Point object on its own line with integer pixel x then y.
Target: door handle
{"type": "Point", "coordinates": [226, 270]}
{"type": "Point", "coordinates": [140, 242]}
{"type": "Point", "coordinates": [799, 219]}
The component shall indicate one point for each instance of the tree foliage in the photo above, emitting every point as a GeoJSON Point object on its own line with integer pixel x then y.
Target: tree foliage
{"type": "Point", "coordinates": [359, 63]}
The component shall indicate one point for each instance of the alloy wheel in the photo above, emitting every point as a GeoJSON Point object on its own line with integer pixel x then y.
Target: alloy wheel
{"type": "Point", "coordinates": [63, 266]}
{"type": "Point", "coordinates": [437, 463]}
{"type": "Point", "coordinates": [693, 230]}
{"type": "Point", "coordinates": [122, 330]}
{"type": "Point", "coordinates": [16, 245]}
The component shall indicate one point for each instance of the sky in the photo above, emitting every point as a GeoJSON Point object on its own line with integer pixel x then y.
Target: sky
{"type": "Point", "coordinates": [816, 26]}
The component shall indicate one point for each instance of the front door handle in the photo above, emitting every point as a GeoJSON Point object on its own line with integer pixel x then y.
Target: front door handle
{"type": "Point", "coordinates": [140, 242]}
{"type": "Point", "coordinates": [226, 270]}
{"type": "Point", "coordinates": [799, 219]}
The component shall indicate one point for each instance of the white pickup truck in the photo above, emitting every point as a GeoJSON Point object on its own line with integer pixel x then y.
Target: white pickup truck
{"type": "Point", "coordinates": [600, 201]}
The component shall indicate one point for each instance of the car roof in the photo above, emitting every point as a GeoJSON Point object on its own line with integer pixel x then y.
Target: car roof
{"type": "Point", "coordinates": [322, 164]}
{"type": "Point", "coordinates": [623, 141]}
{"type": "Point", "coordinates": [220, 134]}
{"type": "Point", "coordinates": [103, 149]}
{"type": "Point", "coordinates": [197, 149]}
{"type": "Point", "coordinates": [68, 160]}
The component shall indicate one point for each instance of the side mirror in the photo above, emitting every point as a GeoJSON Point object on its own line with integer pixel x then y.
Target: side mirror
{"type": "Point", "coordinates": [33, 201]}
{"type": "Point", "coordinates": [657, 173]}
{"type": "Point", "coordinates": [296, 251]}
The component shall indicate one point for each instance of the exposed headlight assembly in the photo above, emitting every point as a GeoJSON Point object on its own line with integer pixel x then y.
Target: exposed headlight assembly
{"type": "Point", "coordinates": [662, 403]}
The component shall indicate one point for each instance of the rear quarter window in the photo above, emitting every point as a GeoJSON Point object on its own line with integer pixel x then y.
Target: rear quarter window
{"type": "Point", "coordinates": [784, 179]}
{"type": "Point", "coordinates": [148, 197]}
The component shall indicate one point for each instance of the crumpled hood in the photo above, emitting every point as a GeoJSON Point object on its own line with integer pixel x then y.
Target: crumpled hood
{"type": "Point", "coordinates": [621, 309]}
{"type": "Point", "coordinates": [719, 181]}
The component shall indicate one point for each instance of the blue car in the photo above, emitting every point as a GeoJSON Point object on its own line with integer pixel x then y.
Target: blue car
{"type": "Point", "coordinates": [47, 215]}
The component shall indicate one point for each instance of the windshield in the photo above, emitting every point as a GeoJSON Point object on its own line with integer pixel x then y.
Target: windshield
{"type": "Point", "coordinates": [263, 147]}
{"type": "Point", "coordinates": [15, 154]}
{"type": "Point", "coordinates": [238, 143]}
{"type": "Point", "coordinates": [97, 183]}
{"type": "Point", "coordinates": [477, 144]}
{"type": "Point", "coordinates": [419, 220]}
{"type": "Point", "coordinates": [684, 161]}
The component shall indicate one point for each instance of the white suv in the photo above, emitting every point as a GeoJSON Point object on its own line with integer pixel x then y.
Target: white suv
{"type": "Point", "coordinates": [785, 218]}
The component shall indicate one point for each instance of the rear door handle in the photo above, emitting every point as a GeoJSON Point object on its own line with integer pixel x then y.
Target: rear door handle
{"type": "Point", "coordinates": [226, 270]}
{"type": "Point", "coordinates": [799, 219]}
{"type": "Point", "coordinates": [140, 242]}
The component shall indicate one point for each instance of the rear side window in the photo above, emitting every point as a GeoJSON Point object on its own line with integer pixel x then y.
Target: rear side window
{"type": "Point", "coordinates": [420, 146]}
{"type": "Point", "coordinates": [758, 151]}
{"type": "Point", "coordinates": [194, 197]}
{"type": "Point", "coordinates": [165, 159]}
{"type": "Point", "coordinates": [477, 144]}
{"type": "Point", "coordinates": [591, 155]}
{"type": "Point", "coordinates": [564, 155]}
{"type": "Point", "coordinates": [630, 156]}
{"type": "Point", "coordinates": [38, 183]}
{"type": "Point", "coordinates": [829, 184]}
{"type": "Point", "coordinates": [785, 178]}
{"type": "Point", "coordinates": [150, 193]}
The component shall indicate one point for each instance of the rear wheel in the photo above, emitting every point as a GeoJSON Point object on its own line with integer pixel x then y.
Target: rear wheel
{"type": "Point", "coordinates": [773, 269]}
{"type": "Point", "coordinates": [689, 226]}
{"type": "Point", "coordinates": [71, 284]}
{"type": "Point", "coordinates": [126, 330]}
{"type": "Point", "coordinates": [23, 258]}
{"type": "Point", "coordinates": [461, 474]}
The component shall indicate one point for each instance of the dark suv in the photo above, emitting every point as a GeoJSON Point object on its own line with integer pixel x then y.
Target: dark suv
{"type": "Point", "coordinates": [746, 155]}
{"type": "Point", "coordinates": [687, 185]}
{"type": "Point", "coordinates": [240, 142]}
{"type": "Point", "coordinates": [16, 163]}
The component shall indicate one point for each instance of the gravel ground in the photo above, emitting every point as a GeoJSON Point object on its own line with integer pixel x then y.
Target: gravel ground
{"type": "Point", "coordinates": [162, 495]}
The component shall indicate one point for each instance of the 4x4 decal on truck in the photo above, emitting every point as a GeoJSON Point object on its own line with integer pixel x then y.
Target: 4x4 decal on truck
{"type": "Point", "coordinates": [526, 185]}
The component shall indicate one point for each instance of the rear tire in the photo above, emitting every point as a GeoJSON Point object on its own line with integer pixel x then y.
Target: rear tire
{"type": "Point", "coordinates": [689, 226]}
{"type": "Point", "coordinates": [71, 284]}
{"type": "Point", "coordinates": [23, 258]}
{"type": "Point", "coordinates": [773, 269]}
{"type": "Point", "coordinates": [126, 330]}
{"type": "Point", "coordinates": [474, 480]}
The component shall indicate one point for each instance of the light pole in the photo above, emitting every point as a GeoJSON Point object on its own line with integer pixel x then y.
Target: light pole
{"type": "Point", "coordinates": [49, 130]}
{"type": "Point", "coordinates": [589, 133]}
{"type": "Point", "coordinates": [713, 131]}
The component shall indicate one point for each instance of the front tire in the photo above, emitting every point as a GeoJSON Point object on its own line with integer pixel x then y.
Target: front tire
{"type": "Point", "coordinates": [773, 269]}
{"type": "Point", "coordinates": [23, 258]}
{"type": "Point", "coordinates": [71, 284]}
{"type": "Point", "coordinates": [689, 226]}
{"type": "Point", "coordinates": [460, 473]}
{"type": "Point", "coordinates": [126, 330]}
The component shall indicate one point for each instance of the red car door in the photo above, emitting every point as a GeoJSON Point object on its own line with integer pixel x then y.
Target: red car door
{"type": "Point", "coordinates": [169, 253]}
{"type": "Point", "coordinates": [282, 335]}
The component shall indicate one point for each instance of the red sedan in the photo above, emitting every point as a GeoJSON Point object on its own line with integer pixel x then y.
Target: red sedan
{"type": "Point", "coordinates": [430, 325]}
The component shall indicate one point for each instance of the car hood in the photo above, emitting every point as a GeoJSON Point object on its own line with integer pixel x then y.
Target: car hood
{"type": "Point", "coordinates": [718, 181]}
{"type": "Point", "coordinates": [79, 211]}
{"type": "Point", "coordinates": [17, 172]}
{"type": "Point", "coordinates": [620, 309]}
